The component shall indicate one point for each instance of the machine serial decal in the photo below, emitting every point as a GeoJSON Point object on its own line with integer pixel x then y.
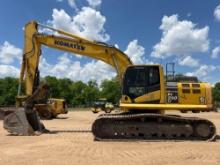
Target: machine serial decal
{"type": "Point", "coordinates": [69, 45]}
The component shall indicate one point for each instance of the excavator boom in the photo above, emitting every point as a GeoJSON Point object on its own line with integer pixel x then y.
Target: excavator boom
{"type": "Point", "coordinates": [66, 42]}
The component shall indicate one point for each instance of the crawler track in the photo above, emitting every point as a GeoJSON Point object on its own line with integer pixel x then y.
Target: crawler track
{"type": "Point", "coordinates": [146, 126]}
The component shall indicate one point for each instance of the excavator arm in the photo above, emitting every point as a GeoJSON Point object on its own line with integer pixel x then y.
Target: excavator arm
{"type": "Point", "coordinates": [66, 42]}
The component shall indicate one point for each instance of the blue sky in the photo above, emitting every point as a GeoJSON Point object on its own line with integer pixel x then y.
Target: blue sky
{"type": "Point", "coordinates": [154, 31]}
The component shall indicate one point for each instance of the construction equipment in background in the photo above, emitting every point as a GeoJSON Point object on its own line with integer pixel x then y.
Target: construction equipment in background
{"type": "Point", "coordinates": [102, 105]}
{"type": "Point", "coordinates": [52, 108]}
{"type": "Point", "coordinates": [144, 98]}
{"type": "Point", "coordinates": [47, 108]}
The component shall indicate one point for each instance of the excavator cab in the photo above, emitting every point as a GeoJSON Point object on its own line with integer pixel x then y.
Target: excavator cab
{"type": "Point", "coordinates": [142, 84]}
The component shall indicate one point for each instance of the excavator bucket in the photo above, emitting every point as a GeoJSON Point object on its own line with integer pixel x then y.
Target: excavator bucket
{"type": "Point", "coordinates": [25, 121]}
{"type": "Point", "coordinates": [4, 111]}
{"type": "Point", "coordinates": [20, 123]}
{"type": "Point", "coordinates": [16, 123]}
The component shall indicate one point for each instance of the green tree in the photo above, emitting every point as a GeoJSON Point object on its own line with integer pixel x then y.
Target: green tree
{"type": "Point", "coordinates": [78, 91]}
{"type": "Point", "coordinates": [53, 82]}
{"type": "Point", "coordinates": [8, 91]}
{"type": "Point", "coordinates": [75, 93]}
{"type": "Point", "coordinates": [110, 89]}
{"type": "Point", "coordinates": [64, 86]}
{"type": "Point", "coordinates": [216, 92]}
{"type": "Point", "coordinates": [91, 92]}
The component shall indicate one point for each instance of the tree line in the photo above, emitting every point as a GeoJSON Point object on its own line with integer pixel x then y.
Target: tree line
{"type": "Point", "coordinates": [76, 93]}
{"type": "Point", "coordinates": [216, 94]}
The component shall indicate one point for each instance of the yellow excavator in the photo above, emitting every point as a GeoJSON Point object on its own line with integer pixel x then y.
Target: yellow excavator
{"type": "Point", "coordinates": [146, 96]}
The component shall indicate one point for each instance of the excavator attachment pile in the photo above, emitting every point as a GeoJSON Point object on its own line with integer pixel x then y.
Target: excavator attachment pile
{"type": "Point", "coordinates": [25, 121]}
{"type": "Point", "coordinates": [144, 126]}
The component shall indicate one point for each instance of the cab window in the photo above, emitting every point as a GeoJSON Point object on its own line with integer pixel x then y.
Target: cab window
{"type": "Point", "coordinates": [154, 76]}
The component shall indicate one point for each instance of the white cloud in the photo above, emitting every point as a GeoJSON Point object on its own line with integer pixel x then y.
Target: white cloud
{"type": "Point", "coordinates": [135, 52]}
{"type": "Point", "coordinates": [94, 3]}
{"type": "Point", "coordinates": [203, 71]}
{"type": "Point", "coordinates": [88, 23]}
{"type": "Point", "coordinates": [217, 13]}
{"type": "Point", "coordinates": [216, 52]}
{"type": "Point", "coordinates": [73, 70]}
{"type": "Point", "coordinates": [9, 52]}
{"type": "Point", "coordinates": [188, 61]}
{"type": "Point", "coordinates": [8, 71]}
{"type": "Point", "coordinates": [117, 46]}
{"type": "Point", "coordinates": [180, 38]}
{"type": "Point", "coordinates": [97, 70]}
{"type": "Point", "coordinates": [72, 4]}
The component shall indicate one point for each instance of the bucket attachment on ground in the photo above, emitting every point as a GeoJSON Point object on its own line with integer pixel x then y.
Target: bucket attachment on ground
{"type": "Point", "coordinates": [25, 121]}
{"type": "Point", "coordinates": [20, 123]}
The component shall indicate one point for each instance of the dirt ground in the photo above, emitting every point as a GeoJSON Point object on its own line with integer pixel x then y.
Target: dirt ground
{"type": "Point", "coordinates": [71, 142]}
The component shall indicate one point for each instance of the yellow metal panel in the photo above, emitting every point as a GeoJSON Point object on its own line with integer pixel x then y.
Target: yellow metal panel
{"type": "Point", "coordinates": [165, 106]}
{"type": "Point", "coordinates": [125, 99]}
{"type": "Point", "coordinates": [191, 97]}
{"type": "Point", "coordinates": [30, 57]}
{"type": "Point", "coordinates": [208, 93]}
{"type": "Point", "coordinates": [148, 97]}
